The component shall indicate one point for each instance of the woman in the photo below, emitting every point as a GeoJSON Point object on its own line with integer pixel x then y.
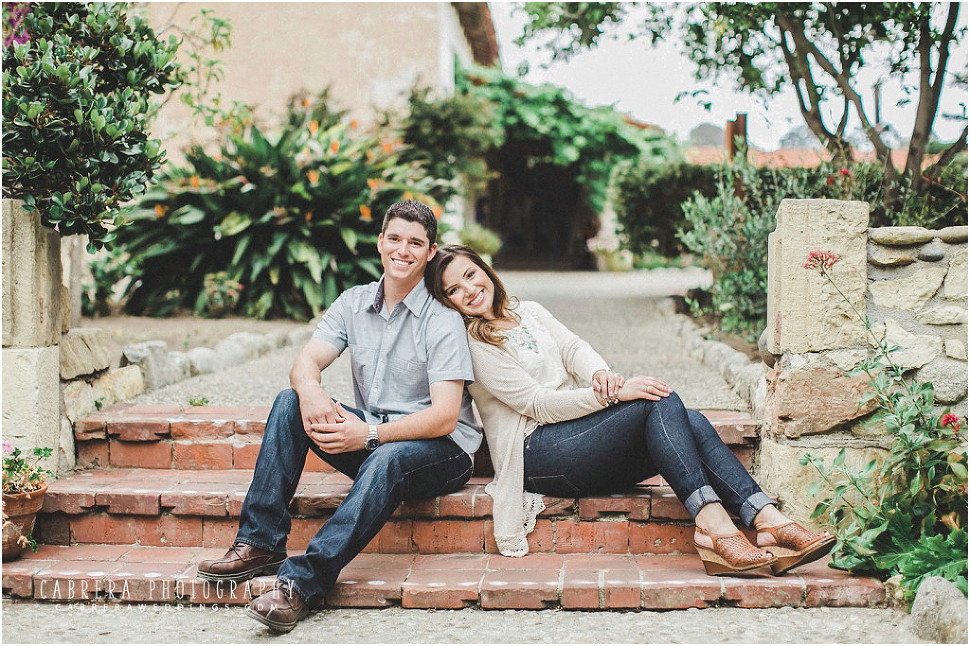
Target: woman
{"type": "Point", "coordinates": [552, 436]}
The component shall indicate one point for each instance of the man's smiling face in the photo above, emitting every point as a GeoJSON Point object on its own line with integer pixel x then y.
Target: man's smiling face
{"type": "Point", "coordinates": [405, 251]}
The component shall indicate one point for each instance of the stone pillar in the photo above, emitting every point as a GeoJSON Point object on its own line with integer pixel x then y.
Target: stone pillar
{"type": "Point", "coordinates": [31, 333]}
{"type": "Point", "coordinates": [816, 337]}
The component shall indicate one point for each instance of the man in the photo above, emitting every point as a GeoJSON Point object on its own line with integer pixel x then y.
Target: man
{"type": "Point", "coordinates": [412, 434]}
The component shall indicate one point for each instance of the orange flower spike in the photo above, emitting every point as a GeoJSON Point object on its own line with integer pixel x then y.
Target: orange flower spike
{"type": "Point", "coordinates": [372, 184]}
{"type": "Point", "coordinates": [334, 146]}
{"type": "Point", "coordinates": [160, 211]}
{"type": "Point", "coordinates": [365, 213]}
{"type": "Point", "coordinates": [387, 147]}
{"type": "Point", "coordinates": [309, 216]}
{"type": "Point", "coordinates": [194, 181]}
{"type": "Point", "coordinates": [353, 124]}
{"type": "Point", "coordinates": [438, 212]}
{"type": "Point", "coordinates": [408, 195]}
{"type": "Point", "coordinates": [313, 126]}
{"type": "Point", "coordinates": [313, 176]}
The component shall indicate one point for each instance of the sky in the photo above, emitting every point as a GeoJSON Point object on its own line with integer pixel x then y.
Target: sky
{"type": "Point", "coordinates": [643, 81]}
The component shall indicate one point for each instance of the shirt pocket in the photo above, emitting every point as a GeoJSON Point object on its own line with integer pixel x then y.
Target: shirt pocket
{"type": "Point", "coordinates": [363, 363]}
{"type": "Point", "coordinates": [409, 380]}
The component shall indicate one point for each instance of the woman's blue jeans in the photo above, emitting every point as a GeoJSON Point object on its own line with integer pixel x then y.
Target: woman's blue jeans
{"type": "Point", "coordinates": [617, 447]}
{"type": "Point", "coordinates": [396, 471]}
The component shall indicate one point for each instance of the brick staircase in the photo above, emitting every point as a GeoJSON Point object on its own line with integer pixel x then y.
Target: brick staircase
{"type": "Point", "coordinates": [160, 488]}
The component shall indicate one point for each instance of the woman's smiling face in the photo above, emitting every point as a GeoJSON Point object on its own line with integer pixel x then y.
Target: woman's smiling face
{"type": "Point", "coordinates": [468, 288]}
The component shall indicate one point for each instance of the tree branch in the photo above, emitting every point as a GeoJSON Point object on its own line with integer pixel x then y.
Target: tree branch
{"type": "Point", "coordinates": [933, 172]}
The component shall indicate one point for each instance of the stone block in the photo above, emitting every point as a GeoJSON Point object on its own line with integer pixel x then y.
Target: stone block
{"type": "Point", "coordinates": [901, 236]}
{"type": "Point", "coordinates": [911, 293]}
{"type": "Point", "coordinates": [120, 385]}
{"type": "Point", "coordinates": [955, 349]}
{"type": "Point", "coordinates": [299, 337]}
{"type": "Point", "coordinates": [955, 285]}
{"type": "Point", "coordinates": [809, 401]}
{"type": "Point", "coordinates": [882, 256]}
{"type": "Point", "coordinates": [65, 310]}
{"type": "Point", "coordinates": [946, 315]}
{"type": "Point", "coordinates": [780, 472]}
{"type": "Point", "coordinates": [255, 345]}
{"type": "Point", "coordinates": [31, 279]}
{"type": "Point", "coordinates": [805, 312]}
{"type": "Point", "coordinates": [933, 252]}
{"type": "Point", "coordinates": [152, 358]}
{"type": "Point", "coordinates": [231, 353]}
{"type": "Point", "coordinates": [66, 459]}
{"type": "Point", "coordinates": [202, 361]}
{"type": "Point", "coordinates": [953, 235]}
{"type": "Point", "coordinates": [84, 351]}
{"type": "Point", "coordinates": [32, 398]}
{"type": "Point", "coordinates": [181, 366]}
{"type": "Point", "coordinates": [78, 399]}
{"type": "Point", "coordinates": [916, 351]}
{"type": "Point", "coordinates": [939, 612]}
{"type": "Point", "coordinates": [949, 379]}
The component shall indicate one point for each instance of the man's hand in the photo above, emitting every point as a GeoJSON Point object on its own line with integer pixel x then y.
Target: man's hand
{"type": "Point", "coordinates": [316, 407]}
{"type": "Point", "coordinates": [346, 435]}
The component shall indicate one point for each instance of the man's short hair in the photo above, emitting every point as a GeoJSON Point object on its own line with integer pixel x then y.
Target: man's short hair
{"type": "Point", "coordinates": [413, 211]}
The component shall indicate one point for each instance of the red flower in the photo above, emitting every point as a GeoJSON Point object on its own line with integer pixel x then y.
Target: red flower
{"type": "Point", "coordinates": [830, 180]}
{"type": "Point", "coordinates": [951, 420]}
{"type": "Point", "coordinates": [845, 172]}
{"type": "Point", "coordinates": [821, 261]}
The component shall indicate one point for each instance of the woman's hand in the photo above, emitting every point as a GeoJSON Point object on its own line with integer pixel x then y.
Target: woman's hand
{"type": "Point", "coordinates": [607, 383]}
{"type": "Point", "coordinates": [643, 388]}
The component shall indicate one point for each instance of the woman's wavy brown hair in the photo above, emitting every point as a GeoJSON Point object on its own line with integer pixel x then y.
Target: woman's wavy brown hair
{"type": "Point", "coordinates": [502, 305]}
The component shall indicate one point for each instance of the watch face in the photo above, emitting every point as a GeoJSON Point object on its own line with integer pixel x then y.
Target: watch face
{"type": "Point", "coordinates": [372, 443]}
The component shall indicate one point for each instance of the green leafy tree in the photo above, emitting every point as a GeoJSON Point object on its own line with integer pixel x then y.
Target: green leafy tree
{"type": "Point", "coordinates": [814, 50]}
{"type": "Point", "coordinates": [78, 84]}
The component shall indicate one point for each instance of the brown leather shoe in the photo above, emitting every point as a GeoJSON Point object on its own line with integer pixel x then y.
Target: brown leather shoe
{"type": "Point", "coordinates": [280, 609]}
{"type": "Point", "coordinates": [241, 563]}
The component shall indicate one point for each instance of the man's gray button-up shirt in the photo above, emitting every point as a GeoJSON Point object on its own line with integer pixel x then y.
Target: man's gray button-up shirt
{"type": "Point", "coordinates": [396, 355]}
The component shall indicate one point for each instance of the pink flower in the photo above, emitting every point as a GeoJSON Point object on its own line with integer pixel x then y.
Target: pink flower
{"type": "Point", "coordinates": [821, 261]}
{"type": "Point", "coordinates": [947, 420]}
{"type": "Point", "coordinates": [7, 446]}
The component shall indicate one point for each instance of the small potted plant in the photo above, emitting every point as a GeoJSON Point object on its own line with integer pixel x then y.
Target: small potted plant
{"type": "Point", "coordinates": [24, 486]}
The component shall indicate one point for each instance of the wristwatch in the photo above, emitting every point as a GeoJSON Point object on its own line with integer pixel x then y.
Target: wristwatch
{"type": "Point", "coordinates": [373, 439]}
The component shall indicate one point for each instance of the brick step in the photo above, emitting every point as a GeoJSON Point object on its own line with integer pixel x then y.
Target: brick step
{"type": "Point", "coordinates": [166, 436]}
{"type": "Point", "coordinates": [201, 509]}
{"type": "Point", "coordinates": [127, 573]}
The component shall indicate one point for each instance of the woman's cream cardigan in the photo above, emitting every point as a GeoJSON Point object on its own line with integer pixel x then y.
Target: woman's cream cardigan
{"type": "Point", "coordinates": [533, 379]}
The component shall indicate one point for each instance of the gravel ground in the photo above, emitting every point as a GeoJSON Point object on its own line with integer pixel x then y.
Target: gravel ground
{"type": "Point", "coordinates": [625, 316]}
{"type": "Point", "coordinates": [143, 624]}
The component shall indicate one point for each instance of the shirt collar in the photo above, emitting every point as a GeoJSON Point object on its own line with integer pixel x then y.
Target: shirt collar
{"type": "Point", "coordinates": [414, 301]}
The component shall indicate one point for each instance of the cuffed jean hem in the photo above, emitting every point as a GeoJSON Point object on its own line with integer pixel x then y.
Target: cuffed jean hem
{"type": "Point", "coordinates": [703, 496]}
{"type": "Point", "coordinates": [755, 503]}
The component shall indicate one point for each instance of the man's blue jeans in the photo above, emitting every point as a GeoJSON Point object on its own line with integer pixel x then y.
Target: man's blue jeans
{"type": "Point", "coordinates": [396, 471]}
{"type": "Point", "coordinates": [619, 446]}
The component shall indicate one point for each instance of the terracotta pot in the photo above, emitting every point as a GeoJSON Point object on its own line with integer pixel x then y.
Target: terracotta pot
{"type": "Point", "coordinates": [21, 511]}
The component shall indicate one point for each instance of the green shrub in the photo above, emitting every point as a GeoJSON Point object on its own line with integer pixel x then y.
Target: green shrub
{"type": "Point", "coordinates": [647, 199]}
{"type": "Point", "coordinates": [294, 218]}
{"type": "Point", "coordinates": [107, 270]}
{"type": "Point", "coordinates": [76, 104]}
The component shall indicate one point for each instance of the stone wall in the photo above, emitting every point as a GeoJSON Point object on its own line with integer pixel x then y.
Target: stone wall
{"type": "Point", "coordinates": [910, 282]}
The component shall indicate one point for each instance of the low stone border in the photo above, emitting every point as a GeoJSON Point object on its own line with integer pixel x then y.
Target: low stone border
{"type": "Point", "coordinates": [161, 368]}
{"type": "Point", "coordinates": [746, 377]}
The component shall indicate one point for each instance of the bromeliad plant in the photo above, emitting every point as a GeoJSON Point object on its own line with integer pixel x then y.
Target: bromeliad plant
{"type": "Point", "coordinates": [293, 218]}
{"type": "Point", "coordinates": [907, 516]}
